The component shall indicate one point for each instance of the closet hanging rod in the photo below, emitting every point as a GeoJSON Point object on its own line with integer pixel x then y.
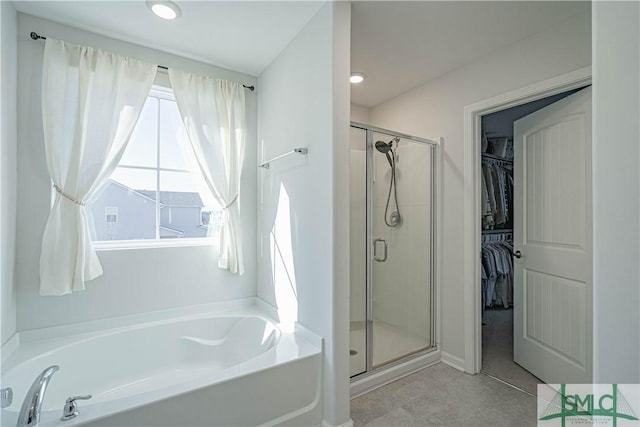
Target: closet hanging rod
{"type": "Point", "coordinates": [265, 165]}
{"type": "Point", "coordinates": [497, 238]}
{"type": "Point", "coordinates": [36, 36]}
{"type": "Point", "coordinates": [497, 158]}
{"type": "Point", "coordinates": [507, 231]}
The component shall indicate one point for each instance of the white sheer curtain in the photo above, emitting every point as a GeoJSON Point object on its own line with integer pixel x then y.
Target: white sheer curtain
{"type": "Point", "coordinates": [213, 112]}
{"type": "Point", "coordinates": [91, 101]}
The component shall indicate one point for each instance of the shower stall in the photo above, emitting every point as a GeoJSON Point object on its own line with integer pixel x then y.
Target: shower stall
{"type": "Point", "coordinates": [393, 235]}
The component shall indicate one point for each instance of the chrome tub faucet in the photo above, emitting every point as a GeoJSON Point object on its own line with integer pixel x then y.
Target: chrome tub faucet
{"type": "Point", "coordinates": [30, 411]}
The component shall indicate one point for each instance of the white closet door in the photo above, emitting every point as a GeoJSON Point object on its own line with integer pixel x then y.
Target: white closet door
{"type": "Point", "coordinates": [553, 276]}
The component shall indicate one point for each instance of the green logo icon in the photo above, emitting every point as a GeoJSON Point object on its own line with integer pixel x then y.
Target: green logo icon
{"type": "Point", "coordinates": [588, 406]}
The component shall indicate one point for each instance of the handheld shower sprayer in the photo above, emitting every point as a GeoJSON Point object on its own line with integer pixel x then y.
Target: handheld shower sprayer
{"type": "Point", "coordinates": [385, 147]}
{"type": "Point", "coordinates": [395, 220]}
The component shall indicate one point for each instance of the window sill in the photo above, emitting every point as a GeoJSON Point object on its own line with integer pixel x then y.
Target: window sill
{"type": "Point", "coordinates": [151, 244]}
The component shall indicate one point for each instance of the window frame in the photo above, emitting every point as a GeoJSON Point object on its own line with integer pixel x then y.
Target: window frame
{"type": "Point", "coordinates": [166, 93]}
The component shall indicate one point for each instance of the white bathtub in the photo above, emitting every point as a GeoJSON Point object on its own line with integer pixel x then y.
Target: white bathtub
{"type": "Point", "coordinates": [235, 368]}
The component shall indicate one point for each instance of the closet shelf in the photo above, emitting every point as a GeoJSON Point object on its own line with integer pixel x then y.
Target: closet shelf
{"type": "Point", "coordinates": [502, 230]}
{"type": "Point", "coordinates": [497, 236]}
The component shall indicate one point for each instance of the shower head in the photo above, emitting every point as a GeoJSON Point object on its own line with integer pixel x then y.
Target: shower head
{"type": "Point", "coordinates": [385, 147]}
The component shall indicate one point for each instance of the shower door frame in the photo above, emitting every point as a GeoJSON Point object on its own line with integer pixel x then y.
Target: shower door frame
{"type": "Point", "coordinates": [435, 203]}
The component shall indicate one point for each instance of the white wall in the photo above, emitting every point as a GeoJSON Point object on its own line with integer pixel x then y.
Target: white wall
{"type": "Point", "coordinates": [337, 411]}
{"type": "Point", "coordinates": [436, 109]}
{"type": "Point", "coordinates": [134, 281]}
{"type": "Point", "coordinates": [616, 191]}
{"type": "Point", "coordinates": [302, 267]}
{"type": "Point", "coordinates": [359, 114]}
{"type": "Point", "coordinates": [8, 147]}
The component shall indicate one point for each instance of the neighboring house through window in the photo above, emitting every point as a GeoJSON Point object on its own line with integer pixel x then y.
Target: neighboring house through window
{"type": "Point", "coordinates": [152, 194]}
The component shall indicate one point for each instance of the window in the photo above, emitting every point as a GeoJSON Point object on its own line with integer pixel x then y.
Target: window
{"type": "Point", "coordinates": [111, 214]}
{"type": "Point", "coordinates": [152, 194]}
{"type": "Point", "coordinates": [210, 218]}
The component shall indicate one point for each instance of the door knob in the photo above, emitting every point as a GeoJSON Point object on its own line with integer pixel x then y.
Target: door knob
{"type": "Point", "coordinates": [517, 254]}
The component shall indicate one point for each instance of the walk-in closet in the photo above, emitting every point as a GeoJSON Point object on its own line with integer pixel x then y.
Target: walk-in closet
{"type": "Point", "coordinates": [498, 278]}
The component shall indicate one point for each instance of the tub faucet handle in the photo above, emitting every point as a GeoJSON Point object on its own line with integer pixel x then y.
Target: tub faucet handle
{"type": "Point", "coordinates": [6, 397]}
{"type": "Point", "coordinates": [71, 407]}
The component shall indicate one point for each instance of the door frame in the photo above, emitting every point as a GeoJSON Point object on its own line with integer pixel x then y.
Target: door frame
{"type": "Point", "coordinates": [472, 214]}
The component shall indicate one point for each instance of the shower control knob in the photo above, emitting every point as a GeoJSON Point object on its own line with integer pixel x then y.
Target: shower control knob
{"type": "Point", "coordinates": [71, 407]}
{"type": "Point", "coordinates": [395, 220]}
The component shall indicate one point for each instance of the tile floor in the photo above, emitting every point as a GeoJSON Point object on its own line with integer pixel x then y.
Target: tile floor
{"type": "Point", "coordinates": [443, 396]}
{"type": "Point", "coordinates": [497, 350]}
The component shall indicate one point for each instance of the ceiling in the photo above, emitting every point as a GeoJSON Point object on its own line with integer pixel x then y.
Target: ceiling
{"type": "Point", "coordinates": [500, 124]}
{"type": "Point", "coordinates": [244, 36]}
{"type": "Point", "coordinates": [402, 45]}
{"type": "Point", "coordinates": [399, 45]}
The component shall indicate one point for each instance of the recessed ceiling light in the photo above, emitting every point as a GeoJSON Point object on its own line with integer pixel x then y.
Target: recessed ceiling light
{"type": "Point", "coordinates": [357, 77]}
{"type": "Point", "coordinates": [164, 9]}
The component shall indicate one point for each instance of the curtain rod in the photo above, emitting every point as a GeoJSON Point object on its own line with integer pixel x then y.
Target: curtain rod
{"type": "Point", "coordinates": [36, 36]}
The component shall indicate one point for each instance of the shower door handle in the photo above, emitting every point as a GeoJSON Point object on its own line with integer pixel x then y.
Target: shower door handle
{"type": "Point", "coordinates": [375, 246]}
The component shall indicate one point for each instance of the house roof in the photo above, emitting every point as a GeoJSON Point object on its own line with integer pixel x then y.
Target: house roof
{"type": "Point", "coordinates": [167, 198]}
{"type": "Point", "coordinates": [174, 198]}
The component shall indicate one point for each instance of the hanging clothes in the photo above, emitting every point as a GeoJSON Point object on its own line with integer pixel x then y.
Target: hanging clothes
{"type": "Point", "coordinates": [497, 274]}
{"type": "Point", "coordinates": [497, 193]}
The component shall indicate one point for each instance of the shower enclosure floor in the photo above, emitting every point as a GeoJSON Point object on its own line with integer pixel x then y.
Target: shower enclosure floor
{"type": "Point", "coordinates": [389, 343]}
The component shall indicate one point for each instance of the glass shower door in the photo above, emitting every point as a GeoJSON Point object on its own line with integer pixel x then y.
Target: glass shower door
{"type": "Point", "coordinates": [400, 234]}
{"type": "Point", "coordinates": [358, 249]}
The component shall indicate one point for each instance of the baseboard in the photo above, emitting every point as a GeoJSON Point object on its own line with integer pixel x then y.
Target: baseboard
{"type": "Point", "coordinates": [347, 424]}
{"type": "Point", "coordinates": [453, 361]}
{"type": "Point", "coordinates": [385, 376]}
